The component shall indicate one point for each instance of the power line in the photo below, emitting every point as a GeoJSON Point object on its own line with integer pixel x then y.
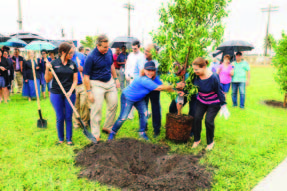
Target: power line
{"type": "Point", "coordinates": [269, 10]}
{"type": "Point", "coordinates": [129, 7]}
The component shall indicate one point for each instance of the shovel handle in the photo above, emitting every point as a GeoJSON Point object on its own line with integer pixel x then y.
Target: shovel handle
{"type": "Point", "coordinates": [35, 83]}
{"type": "Point", "coordinates": [40, 114]}
{"type": "Point", "coordinates": [65, 93]}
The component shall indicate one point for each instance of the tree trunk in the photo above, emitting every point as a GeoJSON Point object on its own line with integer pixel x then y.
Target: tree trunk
{"type": "Point", "coordinates": [285, 100]}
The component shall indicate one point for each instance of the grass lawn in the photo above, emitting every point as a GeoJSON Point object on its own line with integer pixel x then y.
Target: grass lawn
{"type": "Point", "coordinates": [248, 145]}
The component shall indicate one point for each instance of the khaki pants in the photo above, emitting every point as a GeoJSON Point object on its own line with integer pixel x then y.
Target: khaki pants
{"type": "Point", "coordinates": [103, 91]}
{"type": "Point", "coordinates": [19, 81]}
{"type": "Point", "coordinates": [81, 105]}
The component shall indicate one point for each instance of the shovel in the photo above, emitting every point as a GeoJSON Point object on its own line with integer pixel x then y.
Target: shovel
{"type": "Point", "coordinates": [41, 123]}
{"type": "Point", "coordinates": [85, 131]}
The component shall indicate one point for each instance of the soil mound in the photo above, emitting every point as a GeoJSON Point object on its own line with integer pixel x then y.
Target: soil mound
{"type": "Point", "coordinates": [274, 103]}
{"type": "Point", "coordinates": [134, 165]}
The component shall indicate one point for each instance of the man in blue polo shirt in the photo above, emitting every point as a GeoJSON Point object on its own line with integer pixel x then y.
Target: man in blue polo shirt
{"type": "Point", "coordinates": [100, 86]}
{"type": "Point", "coordinates": [121, 61]}
{"type": "Point", "coordinates": [153, 96]}
{"type": "Point", "coordinates": [81, 103]}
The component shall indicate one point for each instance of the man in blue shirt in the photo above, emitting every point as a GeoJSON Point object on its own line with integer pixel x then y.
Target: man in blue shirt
{"type": "Point", "coordinates": [121, 60]}
{"type": "Point", "coordinates": [100, 86]}
{"type": "Point", "coordinates": [81, 103]}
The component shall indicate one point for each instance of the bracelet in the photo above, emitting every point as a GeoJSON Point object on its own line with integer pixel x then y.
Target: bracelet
{"type": "Point", "coordinates": [115, 78]}
{"type": "Point", "coordinates": [89, 90]}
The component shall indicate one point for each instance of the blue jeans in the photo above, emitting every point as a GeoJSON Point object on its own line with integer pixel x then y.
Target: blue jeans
{"type": "Point", "coordinates": [126, 106]}
{"type": "Point", "coordinates": [241, 87]}
{"type": "Point", "coordinates": [43, 82]}
{"type": "Point", "coordinates": [64, 112]}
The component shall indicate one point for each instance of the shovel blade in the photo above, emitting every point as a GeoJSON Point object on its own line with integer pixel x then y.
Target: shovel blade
{"type": "Point", "coordinates": [90, 136]}
{"type": "Point", "coordinates": [42, 123]}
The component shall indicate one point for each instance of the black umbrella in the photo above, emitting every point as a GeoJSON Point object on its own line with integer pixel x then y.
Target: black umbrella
{"type": "Point", "coordinates": [236, 45]}
{"type": "Point", "coordinates": [3, 38]}
{"type": "Point", "coordinates": [27, 36]}
{"type": "Point", "coordinates": [123, 41]}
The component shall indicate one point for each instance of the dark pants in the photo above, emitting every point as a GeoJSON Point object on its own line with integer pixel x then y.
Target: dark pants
{"type": "Point", "coordinates": [64, 112]}
{"type": "Point", "coordinates": [192, 107]}
{"type": "Point", "coordinates": [154, 97]}
{"type": "Point", "coordinates": [126, 107]}
{"type": "Point", "coordinates": [211, 112]}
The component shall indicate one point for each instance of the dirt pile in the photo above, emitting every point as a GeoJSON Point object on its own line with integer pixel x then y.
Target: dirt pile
{"type": "Point", "coordinates": [274, 103]}
{"type": "Point", "coordinates": [134, 165]}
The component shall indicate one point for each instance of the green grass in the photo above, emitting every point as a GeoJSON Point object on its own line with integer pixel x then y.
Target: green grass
{"type": "Point", "coordinates": [248, 145]}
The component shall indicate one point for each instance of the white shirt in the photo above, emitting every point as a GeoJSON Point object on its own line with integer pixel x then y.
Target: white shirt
{"type": "Point", "coordinates": [131, 62]}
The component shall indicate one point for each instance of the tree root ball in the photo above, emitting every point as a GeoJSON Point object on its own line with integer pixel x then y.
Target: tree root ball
{"type": "Point", "coordinates": [135, 165]}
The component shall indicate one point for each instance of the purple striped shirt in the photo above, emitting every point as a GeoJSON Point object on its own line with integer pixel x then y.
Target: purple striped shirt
{"type": "Point", "coordinates": [209, 90]}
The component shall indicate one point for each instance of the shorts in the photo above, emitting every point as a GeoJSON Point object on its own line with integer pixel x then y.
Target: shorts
{"type": "Point", "coordinates": [180, 99]}
{"type": "Point", "coordinates": [2, 82]}
{"type": "Point", "coordinates": [225, 87]}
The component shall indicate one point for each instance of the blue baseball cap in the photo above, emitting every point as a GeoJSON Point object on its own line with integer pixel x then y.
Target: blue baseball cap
{"type": "Point", "coordinates": [150, 66]}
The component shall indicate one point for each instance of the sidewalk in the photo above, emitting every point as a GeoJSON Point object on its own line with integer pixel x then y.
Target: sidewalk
{"type": "Point", "coordinates": [276, 180]}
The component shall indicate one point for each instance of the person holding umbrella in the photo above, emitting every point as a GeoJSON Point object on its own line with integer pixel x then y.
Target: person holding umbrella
{"type": "Point", "coordinates": [67, 72]}
{"type": "Point", "coordinates": [239, 80]}
{"type": "Point", "coordinates": [29, 85]}
{"type": "Point", "coordinates": [121, 61]}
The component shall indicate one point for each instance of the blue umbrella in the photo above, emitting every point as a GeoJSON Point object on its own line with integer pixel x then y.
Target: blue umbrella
{"type": "Point", "coordinates": [40, 45]}
{"type": "Point", "coordinates": [14, 42]}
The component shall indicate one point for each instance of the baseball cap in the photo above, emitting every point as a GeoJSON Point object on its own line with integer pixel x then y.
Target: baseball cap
{"type": "Point", "coordinates": [150, 66]}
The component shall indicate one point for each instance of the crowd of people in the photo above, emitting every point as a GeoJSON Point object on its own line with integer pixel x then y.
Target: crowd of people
{"type": "Point", "coordinates": [91, 78]}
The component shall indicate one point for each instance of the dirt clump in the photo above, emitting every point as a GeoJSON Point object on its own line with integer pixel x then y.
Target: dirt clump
{"type": "Point", "coordinates": [274, 103]}
{"type": "Point", "coordinates": [134, 165]}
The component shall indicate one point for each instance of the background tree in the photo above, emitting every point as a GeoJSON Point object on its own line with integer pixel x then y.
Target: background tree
{"type": "Point", "coordinates": [90, 42]}
{"type": "Point", "coordinates": [187, 28]}
{"type": "Point", "coordinates": [280, 63]}
{"type": "Point", "coordinates": [269, 42]}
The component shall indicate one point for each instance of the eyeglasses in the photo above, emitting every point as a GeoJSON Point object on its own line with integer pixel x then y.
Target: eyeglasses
{"type": "Point", "coordinates": [71, 53]}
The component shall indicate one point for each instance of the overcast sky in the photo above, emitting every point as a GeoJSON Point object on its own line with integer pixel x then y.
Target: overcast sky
{"type": "Point", "coordinates": [91, 17]}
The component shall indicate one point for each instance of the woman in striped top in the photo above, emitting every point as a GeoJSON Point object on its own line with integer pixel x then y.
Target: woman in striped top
{"type": "Point", "coordinates": [209, 100]}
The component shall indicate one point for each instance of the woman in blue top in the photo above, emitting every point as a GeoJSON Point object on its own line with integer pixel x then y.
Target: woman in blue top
{"type": "Point", "coordinates": [209, 100]}
{"type": "Point", "coordinates": [134, 95]}
{"type": "Point", "coordinates": [29, 84]}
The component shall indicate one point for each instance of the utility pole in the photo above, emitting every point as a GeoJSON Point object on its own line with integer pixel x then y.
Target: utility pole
{"type": "Point", "coordinates": [269, 10]}
{"type": "Point", "coordinates": [130, 7]}
{"type": "Point", "coordinates": [20, 21]}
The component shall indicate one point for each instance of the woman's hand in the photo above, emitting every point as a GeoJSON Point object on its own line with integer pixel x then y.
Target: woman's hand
{"type": "Point", "coordinates": [26, 80]}
{"type": "Point", "coordinates": [48, 66]}
{"type": "Point", "coordinates": [69, 93]}
{"type": "Point", "coordinates": [37, 68]}
{"type": "Point", "coordinates": [181, 93]}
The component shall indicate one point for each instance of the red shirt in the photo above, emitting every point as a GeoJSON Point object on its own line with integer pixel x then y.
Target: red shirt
{"type": "Point", "coordinates": [115, 57]}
